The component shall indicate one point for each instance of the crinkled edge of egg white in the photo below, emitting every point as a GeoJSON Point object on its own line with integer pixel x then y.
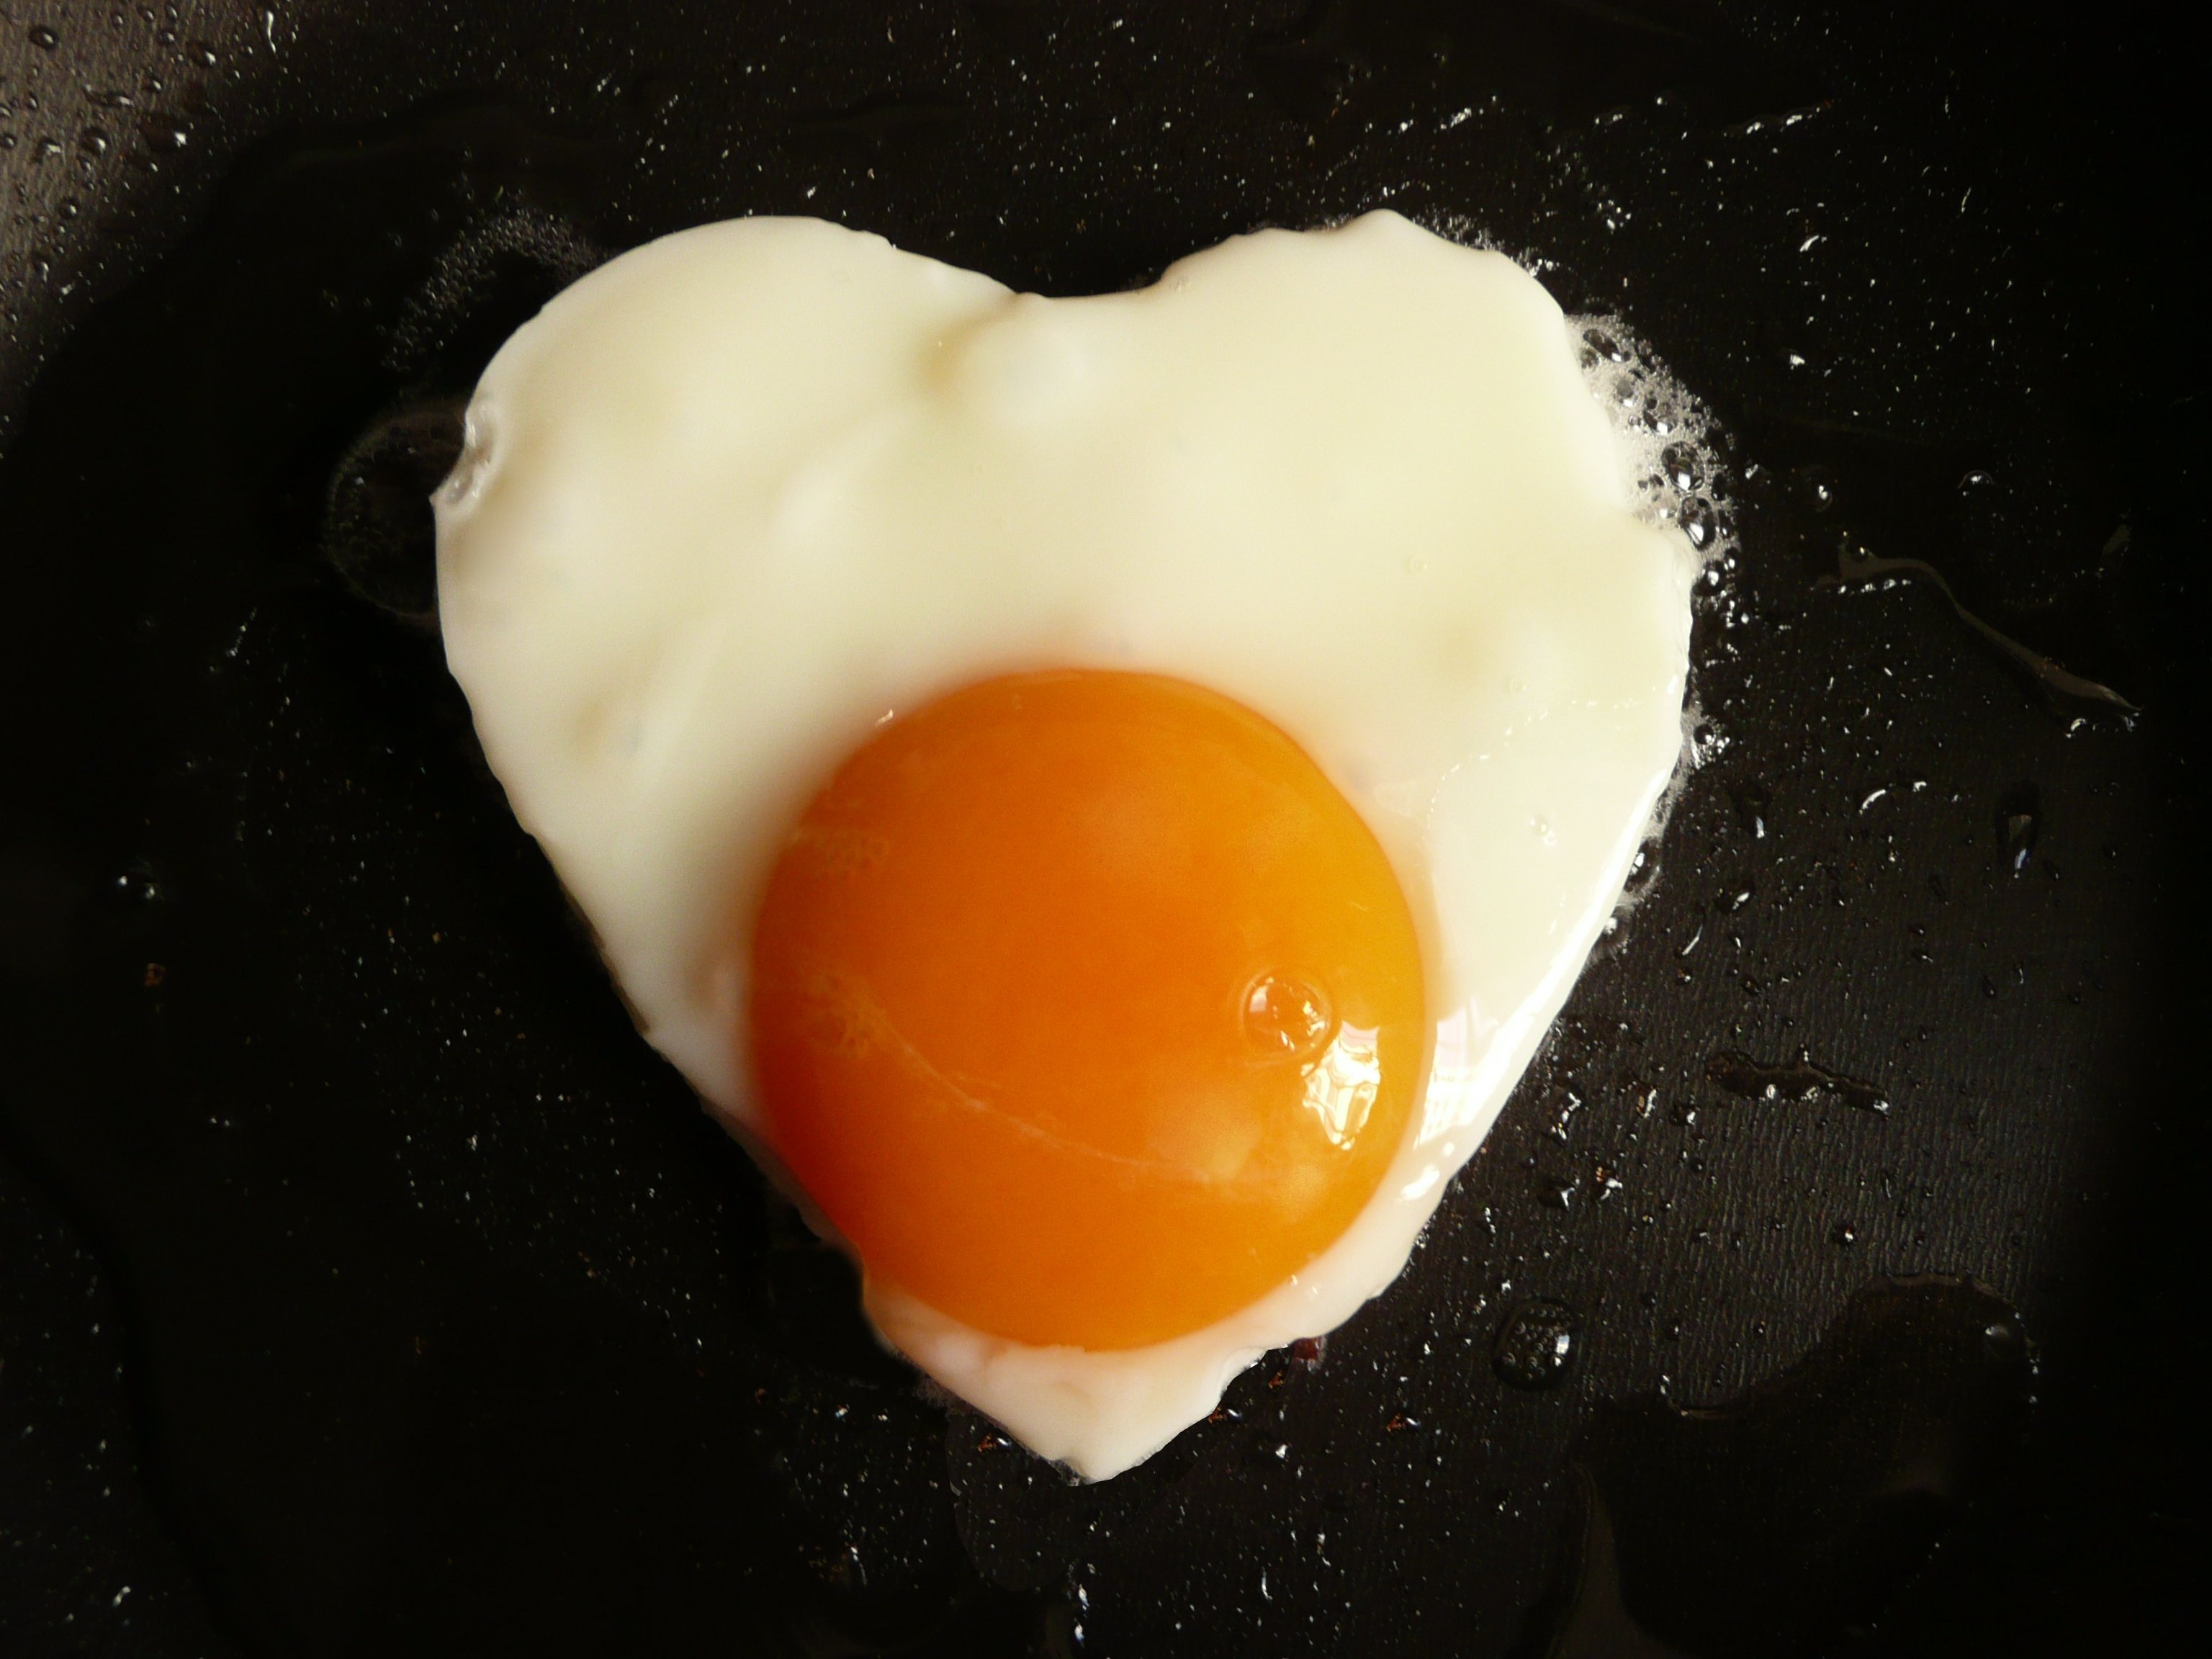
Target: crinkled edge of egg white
{"type": "Point", "coordinates": [1100, 1411]}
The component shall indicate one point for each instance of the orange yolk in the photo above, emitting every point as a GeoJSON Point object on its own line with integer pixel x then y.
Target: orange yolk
{"type": "Point", "coordinates": [1085, 1007]}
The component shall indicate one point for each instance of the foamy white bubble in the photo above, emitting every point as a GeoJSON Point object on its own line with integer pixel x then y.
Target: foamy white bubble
{"type": "Point", "coordinates": [1669, 443]}
{"type": "Point", "coordinates": [1671, 454]}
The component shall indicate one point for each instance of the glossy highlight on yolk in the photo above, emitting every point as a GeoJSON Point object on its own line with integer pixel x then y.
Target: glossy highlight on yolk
{"type": "Point", "coordinates": [1085, 1007]}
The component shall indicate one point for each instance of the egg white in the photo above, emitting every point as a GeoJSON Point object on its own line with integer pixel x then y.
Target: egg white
{"type": "Point", "coordinates": [739, 497]}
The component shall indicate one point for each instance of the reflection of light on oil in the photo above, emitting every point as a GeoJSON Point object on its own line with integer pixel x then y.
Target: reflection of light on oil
{"type": "Point", "coordinates": [1340, 1086]}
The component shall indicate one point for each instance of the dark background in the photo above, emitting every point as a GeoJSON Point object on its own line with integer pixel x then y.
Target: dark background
{"type": "Point", "coordinates": [367, 1287]}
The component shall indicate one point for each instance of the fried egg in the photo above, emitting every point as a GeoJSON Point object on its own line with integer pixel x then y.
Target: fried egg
{"type": "Point", "coordinates": [1103, 796]}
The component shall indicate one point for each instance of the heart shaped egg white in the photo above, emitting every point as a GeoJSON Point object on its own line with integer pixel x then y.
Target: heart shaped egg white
{"type": "Point", "coordinates": [740, 496]}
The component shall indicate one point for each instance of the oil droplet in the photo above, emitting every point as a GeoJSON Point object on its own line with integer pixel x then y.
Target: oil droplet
{"type": "Point", "coordinates": [45, 38]}
{"type": "Point", "coordinates": [92, 142]}
{"type": "Point", "coordinates": [137, 884]}
{"type": "Point", "coordinates": [1681, 466]}
{"type": "Point", "coordinates": [1535, 1345]}
{"type": "Point", "coordinates": [1698, 522]}
{"type": "Point", "coordinates": [2020, 821]}
{"type": "Point", "coordinates": [377, 529]}
{"type": "Point", "coordinates": [163, 133]}
{"type": "Point", "coordinates": [1798, 1079]}
{"type": "Point", "coordinates": [1604, 345]}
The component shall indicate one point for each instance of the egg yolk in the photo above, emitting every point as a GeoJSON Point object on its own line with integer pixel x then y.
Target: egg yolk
{"type": "Point", "coordinates": [1085, 1007]}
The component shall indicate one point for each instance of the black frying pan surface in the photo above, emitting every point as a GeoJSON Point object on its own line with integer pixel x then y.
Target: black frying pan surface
{"type": "Point", "coordinates": [367, 1288]}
